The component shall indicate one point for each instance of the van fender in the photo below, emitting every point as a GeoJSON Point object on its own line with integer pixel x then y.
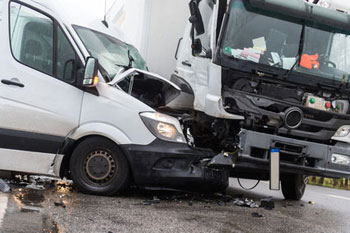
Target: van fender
{"type": "Point", "coordinates": [100, 129]}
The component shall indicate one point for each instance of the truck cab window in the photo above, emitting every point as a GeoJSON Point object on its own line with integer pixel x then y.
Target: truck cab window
{"type": "Point", "coordinates": [206, 8]}
{"type": "Point", "coordinates": [31, 36]}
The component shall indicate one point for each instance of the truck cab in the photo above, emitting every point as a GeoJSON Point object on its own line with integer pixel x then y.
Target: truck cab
{"type": "Point", "coordinates": [77, 101]}
{"type": "Point", "coordinates": [276, 74]}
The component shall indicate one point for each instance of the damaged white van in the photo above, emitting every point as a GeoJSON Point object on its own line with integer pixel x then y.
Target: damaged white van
{"type": "Point", "coordinates": [76, 101]}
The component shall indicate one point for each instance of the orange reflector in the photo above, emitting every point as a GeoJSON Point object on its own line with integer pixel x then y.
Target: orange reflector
{"type": "Point", "coordinates": [95, 81]}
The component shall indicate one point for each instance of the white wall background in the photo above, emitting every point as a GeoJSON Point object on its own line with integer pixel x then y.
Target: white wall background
{"type": "Point", "coordinates": [154, 27]}
{"type": "Point", "coordinates": [167, 23]}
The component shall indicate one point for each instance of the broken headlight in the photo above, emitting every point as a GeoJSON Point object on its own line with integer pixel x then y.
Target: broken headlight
{"type": "Point", "coordinates": [163, 126]}
{"type": "Point", "coordinates": [343, 131]}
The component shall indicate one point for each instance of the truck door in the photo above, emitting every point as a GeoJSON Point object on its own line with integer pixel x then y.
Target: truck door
{"type": "Point", "coordinates": [39, 102]}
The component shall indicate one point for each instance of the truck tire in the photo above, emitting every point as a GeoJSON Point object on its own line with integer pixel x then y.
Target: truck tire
{"type": "Point", "coordinates": [293, 186]}
{"type": "Point", "coordinates": [99, 167]}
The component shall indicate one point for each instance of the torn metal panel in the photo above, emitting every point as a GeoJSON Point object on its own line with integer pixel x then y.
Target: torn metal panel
{"type": "Point", "coordinates": [149, 88]}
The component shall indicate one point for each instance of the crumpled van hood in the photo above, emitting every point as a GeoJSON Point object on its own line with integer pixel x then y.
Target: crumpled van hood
{"type": "Point", "coordinates": [150, 88]}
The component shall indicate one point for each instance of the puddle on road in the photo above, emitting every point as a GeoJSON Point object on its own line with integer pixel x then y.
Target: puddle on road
{"type": "Point", "coordinates": [23, 209]}
{"type": "Point", "coordinates": [3, 206]}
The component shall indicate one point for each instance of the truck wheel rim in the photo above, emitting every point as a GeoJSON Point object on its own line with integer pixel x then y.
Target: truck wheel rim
{"type": "Point", "coordinates": [100, 166]}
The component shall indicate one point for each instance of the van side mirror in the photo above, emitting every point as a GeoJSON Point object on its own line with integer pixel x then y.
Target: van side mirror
{"type": "Point", "coordinates": [90, 78]}
{"type": "Point", "coordinates": [196, 17]}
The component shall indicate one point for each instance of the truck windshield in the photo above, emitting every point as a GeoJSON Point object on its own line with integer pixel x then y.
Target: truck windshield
{"type": "Point", "coordinates": [112, 54]}
{"type": "Point", "coordinates": [270, 38]}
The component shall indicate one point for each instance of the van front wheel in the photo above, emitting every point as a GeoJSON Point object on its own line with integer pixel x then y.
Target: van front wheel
{"type": "Point", "coordinates": [99, 167]}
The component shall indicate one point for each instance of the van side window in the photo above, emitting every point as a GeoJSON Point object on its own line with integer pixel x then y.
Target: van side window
{"type": "Point", "coordinates": [66, 59]}
{"type": "Point", "coordinates": [32, 38]}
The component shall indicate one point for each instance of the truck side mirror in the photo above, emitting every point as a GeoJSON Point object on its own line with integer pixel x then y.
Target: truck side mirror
{"type": "Point", "coordinates": [196, 17]}
{"type": "Point", "coordinates": [90, 74]}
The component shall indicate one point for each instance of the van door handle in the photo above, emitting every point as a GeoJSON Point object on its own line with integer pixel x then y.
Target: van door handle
{"type": "Point", "coordinates": [14, 82]}
{"type": "Point", "coordinates": [186, 63]}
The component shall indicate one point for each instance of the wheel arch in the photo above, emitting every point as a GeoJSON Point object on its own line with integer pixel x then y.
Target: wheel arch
{"type": "Point", "coordinates": [88, 131]}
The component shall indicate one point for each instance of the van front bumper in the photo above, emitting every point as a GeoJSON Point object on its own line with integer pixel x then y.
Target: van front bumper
{"type": "Point", "coordinates": [296, 156]}
{"type": "Point", "coordinates": [174, 166]}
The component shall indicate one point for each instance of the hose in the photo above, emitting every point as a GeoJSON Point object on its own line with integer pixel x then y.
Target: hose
{"type": "Point", "coordinates": [248, 189]}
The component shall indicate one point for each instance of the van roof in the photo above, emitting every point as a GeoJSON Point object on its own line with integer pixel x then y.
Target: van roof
{"type": "Point", "coordinates": [75, 13]}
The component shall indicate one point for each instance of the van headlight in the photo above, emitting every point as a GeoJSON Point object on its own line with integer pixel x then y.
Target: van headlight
{"type": "Point", "coordinates": [343, 131]}
{"type": "Point", "coordinates": [163, 126]}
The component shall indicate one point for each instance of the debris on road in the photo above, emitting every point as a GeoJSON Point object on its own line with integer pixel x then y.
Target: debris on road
{"type": "Point", "coordinates": [257, 215]}
{"type": "Point", "coordinates": [4, 187]}
{"type": "Point", "coordinates": [267, 203]}
{"type": "Point", "coordinates": [312, 202]}
{"type": "Point", "coordinates": [60, 202]}
{"type": "Point", "coordinates": [153, 201]}
{"type": "Point", "coordinates": [245, 203]}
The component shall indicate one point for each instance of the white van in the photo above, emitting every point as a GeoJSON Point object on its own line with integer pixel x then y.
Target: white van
{"type": "Point", "coordinates": [76, 101]}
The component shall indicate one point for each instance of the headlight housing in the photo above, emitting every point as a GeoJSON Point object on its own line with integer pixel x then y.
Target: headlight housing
{"type": "Point", "coordinates": [163, 126]}
{"type": "Point", "coordinates": [343, 131]}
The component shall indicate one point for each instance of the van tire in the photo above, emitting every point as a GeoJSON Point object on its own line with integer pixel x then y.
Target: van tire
{"type": "Point", "coordinates": [99, 167]}
{"type": "Point", "coordinates": [293, 186]}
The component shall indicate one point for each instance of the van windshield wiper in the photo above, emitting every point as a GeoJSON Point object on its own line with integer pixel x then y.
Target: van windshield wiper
{"type": "Point", "coordinates": [300, 51]}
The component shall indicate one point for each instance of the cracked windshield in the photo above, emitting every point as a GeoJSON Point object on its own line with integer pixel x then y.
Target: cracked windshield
{"type": "Point", "coordinates": [268, 38]}
{"type": "Point", "coordinates": [113, 55]}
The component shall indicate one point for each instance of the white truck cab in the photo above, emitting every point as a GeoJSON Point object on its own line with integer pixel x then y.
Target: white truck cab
{"type": "Point", "coordinates": [259, 76]}
{"type": "Point", "coordinates": [77, 101]}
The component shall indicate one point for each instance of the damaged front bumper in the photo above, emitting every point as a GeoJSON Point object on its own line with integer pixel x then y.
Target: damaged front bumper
{"type": "Point", "coordinates": [296, 156]}
{"type": "Point", "coordinates": [175, 166]}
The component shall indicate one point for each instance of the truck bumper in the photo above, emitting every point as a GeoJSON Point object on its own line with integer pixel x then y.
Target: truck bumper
{"type": "Point", "coordinates": [296, 156]}
{"type": "Point", "coordinates": [174, 166]}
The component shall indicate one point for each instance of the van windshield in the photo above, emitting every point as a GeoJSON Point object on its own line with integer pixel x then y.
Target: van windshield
{"type": "Point", "coordinates": [270, 38]}
{"type": "Point", "coordinates": [113, 55]}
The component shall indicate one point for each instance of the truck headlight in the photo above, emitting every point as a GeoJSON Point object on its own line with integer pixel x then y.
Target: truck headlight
{"type": "Point", "coordinates": [343, 131]}
{"type": "Point", "coordinates": [163, 126]}
{"type": "Point", "coordinates": [340, 159]}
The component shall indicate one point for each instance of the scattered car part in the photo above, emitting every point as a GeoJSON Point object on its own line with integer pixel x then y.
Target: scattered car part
{"type": "Point", "coordinates": [267, 203]}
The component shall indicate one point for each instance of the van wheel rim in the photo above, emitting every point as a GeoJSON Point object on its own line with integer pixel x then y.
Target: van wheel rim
{"type": "Point", "coordinates": [100, 166]}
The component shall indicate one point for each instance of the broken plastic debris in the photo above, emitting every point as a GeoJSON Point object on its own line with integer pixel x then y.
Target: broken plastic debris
{"type": "Point", "coordinates": [155, 200]}
{"type": "Point", "coordinates": [267, 203]}
{"type": "Point", "coordinates": [60, 203]}
{"type": "Point", "coordinates": [245, 203]}
{"type": "Point", "coordinates": [257, 215]}
{"type": "Point", "coordinates": [220, 161]}
{"type": "Point", "coordinates": [312, 202]}
{"type": "Point", "coordinates": [4, 187]}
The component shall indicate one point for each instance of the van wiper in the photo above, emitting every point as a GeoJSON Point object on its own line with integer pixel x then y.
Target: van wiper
{"type": "Point", "coordinates": [300, 50]}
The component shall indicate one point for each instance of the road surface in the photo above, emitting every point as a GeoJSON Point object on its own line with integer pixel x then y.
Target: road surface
{"type": "Point", "coordinates": [55, 207]}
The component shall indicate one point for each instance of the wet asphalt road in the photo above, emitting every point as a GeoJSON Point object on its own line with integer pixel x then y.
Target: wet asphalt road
{"type": "Point", "coordinates": [56, 207]}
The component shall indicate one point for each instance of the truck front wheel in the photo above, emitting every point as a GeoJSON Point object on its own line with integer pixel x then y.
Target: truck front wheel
{"type": "Point", "coordinates": [99, 167]}
{"type": "Point", "coordinates": [293, 186]}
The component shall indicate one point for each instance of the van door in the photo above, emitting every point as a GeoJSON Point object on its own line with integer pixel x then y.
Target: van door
{"type": "Point", "coordinates": [39, 102]}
